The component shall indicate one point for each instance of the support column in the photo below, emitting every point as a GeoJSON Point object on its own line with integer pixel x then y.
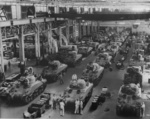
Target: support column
{"type": "Point", "coordinates": [74, 31]}
{"type": "Point", "coordinates": [80, 35]}
{"type": "Point", "coordinates": [56, 9]}
{"type": "Point", "coordinates": [67, 8]}
{"type": "Point", "coordinates": [89, 28]}
{"type": "Point", "coordinates": [49, 34]}
{"type": "Point", "coordinates": [21, 45]}
{"type": "Point", "coordinates": [60, 36]}
{"type": "Point", "coordinates": [92, 26]}
{"type": "Point", "coordinates": [21, 51]}
{"type": "Point", "coordinates": [67, 31]}
{"type": "Point", "coordinates": [37, 43]}
{"type": "Point", "coordinates": [78, 10]}
{"type": "Point", "coordinates": [1, 52]}
{"type": "Point", "coordinates": [18, 8]}
{"type": "Point", "coordinates": [84, 29]}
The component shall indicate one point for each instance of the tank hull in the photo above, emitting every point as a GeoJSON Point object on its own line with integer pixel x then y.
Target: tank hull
{"type": "Point", "coordinates": [53, 77]}
{"type": "Point", "coordinates": [26, 95]}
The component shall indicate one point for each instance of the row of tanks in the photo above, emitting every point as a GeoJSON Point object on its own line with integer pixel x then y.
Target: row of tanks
{"type": "Point", "coordinates": [129, 100]}
{"type": "Point", "coordinates": [22, 88]}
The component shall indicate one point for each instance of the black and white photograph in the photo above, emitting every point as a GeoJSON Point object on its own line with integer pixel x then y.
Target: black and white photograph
{"type": "Point", "coordinates": [74, 59]}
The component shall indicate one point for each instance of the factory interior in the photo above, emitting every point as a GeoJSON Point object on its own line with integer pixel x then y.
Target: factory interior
{"type": "Point", "coordinates": [75, 59]}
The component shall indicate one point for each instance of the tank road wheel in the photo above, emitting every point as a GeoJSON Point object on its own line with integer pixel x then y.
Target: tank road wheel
{"type": "Point", "coordinates": [27, 99]}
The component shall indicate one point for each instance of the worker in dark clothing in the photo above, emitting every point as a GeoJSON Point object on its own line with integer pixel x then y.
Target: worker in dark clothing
{"type": "Point", "coordinates": [2, 76]}
{"type": "Point", "coordinates": [22, 67]}
{"type": "Point", "coordinates": [60, 78]}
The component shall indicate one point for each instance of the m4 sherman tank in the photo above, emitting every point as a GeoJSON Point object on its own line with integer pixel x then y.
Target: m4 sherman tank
{"type": "Point", "coordinates": [94, 45]}
{"type": "Point", "coordinates": [54, 69]}
{"type": "Point", "coordinates": [73, 58]}
{"type": "Point", "coordinates": [69, 55]}
{"type": "Point", "coordinates": [84, 49]}
{"type": "Point", "coordinates": [103, 59]}
{"type": "Point", "coordinates": [23, 90]}
{"type": "Point", "coordinates": [129, 101]}
{"type": "Point", "coordinates": [78, 89]}
{"type": "Point", "coordinates": [93, 77]}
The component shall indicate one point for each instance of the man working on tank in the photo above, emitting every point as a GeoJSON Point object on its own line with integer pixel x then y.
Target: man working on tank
{"type": "Point", "coordinates": [93, 67]}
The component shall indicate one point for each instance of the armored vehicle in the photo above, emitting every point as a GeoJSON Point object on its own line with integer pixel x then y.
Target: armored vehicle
{"type": "Point", "coordinates": [36, 109]}
{"type": "Point", "coordinates": [23, 90]}
{"type": "Point", "coordinates": [69, 55]}
{"type": "Point", "coordinates": [129, 101]}
{"type": "Point", "coordinates": [78, 89]}
{"type": "Point", "coordinates": [54, 69]}
{"type": "Point", "coordinates": [73, 58]}
{"type": "Point", "coordinates": [84, 49]}
{"type": "Point", "coordinates": [103, 59]}
{"type": "Point", "coordinates": [93, 77]}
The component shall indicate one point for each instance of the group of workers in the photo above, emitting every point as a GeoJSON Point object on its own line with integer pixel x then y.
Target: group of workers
{"type": "Point", "coordinates": [58, 102]}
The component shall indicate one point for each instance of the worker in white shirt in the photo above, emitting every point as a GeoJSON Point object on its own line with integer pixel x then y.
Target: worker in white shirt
{"type": "Point", "coordinates": [143, 109]}
{"type": "Point", "coordinates": [81, 106]}
{"type": "Point", "coordinates": [62, 108]}
{"type": "Point", "coordinates": [77, 103]}
{"type": "Point", "coordinates": [93, 66]}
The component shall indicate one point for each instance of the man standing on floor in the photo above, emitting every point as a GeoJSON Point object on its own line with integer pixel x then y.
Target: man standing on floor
{"type": "Point", "coordinates": [77, 106]}
{"type": "Point", "coordinates": [60, 78]}
{"type": "Point", "coordinates": [81, 106]}
{"type": "Point", "coordinates": [62, 107]}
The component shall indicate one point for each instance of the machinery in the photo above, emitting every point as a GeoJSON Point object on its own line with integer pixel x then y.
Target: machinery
{"type": "Point", "coordinates": [52, 71]}
{"type": "Point", "coordinates": [23, 90]}
{"type": "Point", "coordinates": [78, 89]}
{"type": "Point", "coordinates": [103, 59]}
{"type": "Point", "coordinates": [93, 77]}
{"type": "Point", "coordinates": [129, 101]}
{"type": "Point", "coordinates": [35, 110]}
